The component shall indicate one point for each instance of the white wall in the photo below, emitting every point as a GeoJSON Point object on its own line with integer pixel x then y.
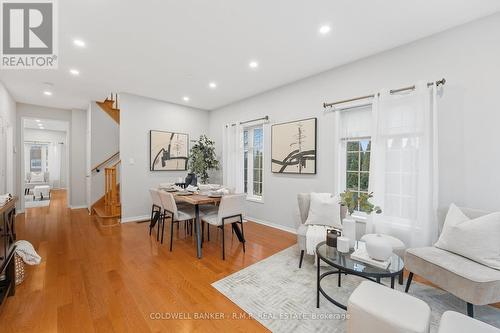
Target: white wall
{"type": "Point", "coordinates": [78, 130]}
{"type": "Point", "coordinates": [469, 116]}
{"type": "Point", "coordinates": [31, 134]}
{"type": "Point", "coordinates": [139, 115]}
{"type": "Point", "coordinates": [104, 143]}
{"type": "Point", "coordinates": [76, 143]}
{"type": "Point", "coordinates": [7, 127]}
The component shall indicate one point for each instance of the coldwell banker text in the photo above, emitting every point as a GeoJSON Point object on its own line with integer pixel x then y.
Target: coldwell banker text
{"type": "Point", "coordinates": [29, 35]}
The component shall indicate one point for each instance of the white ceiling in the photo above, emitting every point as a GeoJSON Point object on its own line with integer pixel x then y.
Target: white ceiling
{"type": "Point", "coordinates": [169, 49]}
{"type": "Point", "coordinates": [47, 124]}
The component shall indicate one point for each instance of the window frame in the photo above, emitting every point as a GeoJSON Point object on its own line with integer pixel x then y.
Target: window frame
{"type": "Point", "coordinates": [250, 164]}
{"type": "Point", "coordinates": [343, 169]}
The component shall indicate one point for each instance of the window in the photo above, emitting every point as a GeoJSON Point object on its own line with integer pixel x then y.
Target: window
{"type": "Point", "coordinates": [357, 170]}
{"type": "Point", "coordinates": [253, 151]}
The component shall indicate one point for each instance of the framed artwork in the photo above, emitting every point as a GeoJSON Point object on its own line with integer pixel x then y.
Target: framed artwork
{"type": "Point", "coordinates": [168, 151]}
{"type": "Point", "coordinates": [293, 147]}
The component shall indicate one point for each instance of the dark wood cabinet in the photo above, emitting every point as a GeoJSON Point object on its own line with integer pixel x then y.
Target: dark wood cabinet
{"type": "Point", "coordinates": [7, 249]}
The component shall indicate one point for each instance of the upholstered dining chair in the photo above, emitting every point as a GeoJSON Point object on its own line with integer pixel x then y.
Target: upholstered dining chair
{"type": "Point", "coordinates": [176, 215]}
{"type": "Point", "coordinates": [156, 211]}
{"type": "Point", "coordinates": [231, 210]}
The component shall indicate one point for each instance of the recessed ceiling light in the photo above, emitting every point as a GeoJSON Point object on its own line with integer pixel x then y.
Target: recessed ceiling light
{"type": "Point", "coordinates": [37, 120]}
{"type": "Point", "coordinates": [40, 125]}
{"type": "Point", "coordinates": [47, 93]}
{"type": "Point", "coordinates": [185, 98]}
{"type": "Point", "coordinates": [42, 128]}
{"type": "Point", "coordinates": [74, 71]}
{"type": "Point", "coordinates": [212, 85]}
{"type": "Point", "coordinates": [324, 29]}
{"type": "Point", "coordinates": [79, 42]}
{"type": "Point", "coordinates": [253, 64]}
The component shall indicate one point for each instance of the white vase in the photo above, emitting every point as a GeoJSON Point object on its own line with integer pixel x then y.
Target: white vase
{"type": "Point", "coordinates": [349, 230]}
{"type": "Point", "coordinates": [378, 247]}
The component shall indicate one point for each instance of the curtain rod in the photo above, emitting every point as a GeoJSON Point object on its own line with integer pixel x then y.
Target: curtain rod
{"type": "Point", "coordinates": [393, 91]}
{"type": "Point", "coordinates": [250, 121]}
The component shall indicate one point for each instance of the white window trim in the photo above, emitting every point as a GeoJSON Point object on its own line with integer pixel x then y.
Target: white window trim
{"type": "Point", "coordinates": [250, 196]}
{"type": "Point", "coordinates": [359, 216]}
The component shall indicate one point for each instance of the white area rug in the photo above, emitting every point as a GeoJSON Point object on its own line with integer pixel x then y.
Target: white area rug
{"type": "Point", "coordinates": [283, 297]}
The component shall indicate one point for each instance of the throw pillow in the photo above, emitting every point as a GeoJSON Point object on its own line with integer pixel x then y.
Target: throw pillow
{"type": "Point", "coordinates": [476, 239]}
{"type": "Point", "coordinates": [324, 209]}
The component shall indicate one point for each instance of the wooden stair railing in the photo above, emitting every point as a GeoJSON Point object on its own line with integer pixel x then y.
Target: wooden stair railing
{"type": "Point", "coordinates": [97, 168]}
{"type": "Point", "coordinates": [111, 191]}
{"type": "Point", "coordinates": [110, 106]}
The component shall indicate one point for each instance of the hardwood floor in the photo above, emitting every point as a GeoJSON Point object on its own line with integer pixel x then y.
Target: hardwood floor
{"type": "Point", "coordinates": [98, 279]}
{"type": "Point", "coordinates": [113, 279]}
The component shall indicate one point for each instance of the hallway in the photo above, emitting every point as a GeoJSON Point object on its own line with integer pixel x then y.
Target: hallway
{"type": "Point", "coordinates": [95, 279]}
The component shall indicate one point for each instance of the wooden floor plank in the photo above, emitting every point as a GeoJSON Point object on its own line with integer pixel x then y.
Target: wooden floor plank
{"type": "Point", "coordinates": [113, 279]}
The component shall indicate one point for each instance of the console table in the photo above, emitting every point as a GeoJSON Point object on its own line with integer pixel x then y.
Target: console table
{"type": "Point", "coordinates": [7, 249]}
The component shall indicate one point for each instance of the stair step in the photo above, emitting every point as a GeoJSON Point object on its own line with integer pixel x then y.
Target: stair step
{"type": "Point", "coordinates": [104, 212]}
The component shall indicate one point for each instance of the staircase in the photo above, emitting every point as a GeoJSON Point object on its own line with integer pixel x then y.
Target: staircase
{"type": "Point", "coordinates": [110, 106]}
{"type": "Point", "coordinates": [107, 209]}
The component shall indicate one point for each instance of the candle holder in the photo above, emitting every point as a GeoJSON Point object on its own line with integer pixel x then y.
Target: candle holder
{"type": "Point", "coordinates": [331, 237]}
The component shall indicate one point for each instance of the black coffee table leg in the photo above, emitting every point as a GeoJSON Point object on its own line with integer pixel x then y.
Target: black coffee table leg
{"type": "Point", "coordinates": [340, 274]}
{"type": "Point", "coordinates": [392, 282]}
{"type": "Point", "coordinates": [317, 286]}
{"type": "Point", "coordinates": [378, 280]}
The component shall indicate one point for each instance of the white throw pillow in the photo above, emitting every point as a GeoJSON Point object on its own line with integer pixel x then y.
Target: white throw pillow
{"type": "Point", "coordinates": [477, 239]}
{"type": "Point", "coordinates": [324, 209]}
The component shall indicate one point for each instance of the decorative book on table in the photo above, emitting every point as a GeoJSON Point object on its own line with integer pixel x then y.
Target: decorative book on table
{"type": "Point", "coordinates": [360, 254]}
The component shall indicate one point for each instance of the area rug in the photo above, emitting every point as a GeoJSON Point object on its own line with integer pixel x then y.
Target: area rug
{"type": "Point", "coordinates": [282, 297]}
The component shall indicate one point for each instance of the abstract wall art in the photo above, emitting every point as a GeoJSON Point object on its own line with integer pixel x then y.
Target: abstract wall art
{"type": "Point", "coordinates": [293, 147]}
{"type": "Point", "coordinates": [168, 151]}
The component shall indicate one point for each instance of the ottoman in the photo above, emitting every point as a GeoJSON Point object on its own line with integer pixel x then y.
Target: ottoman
{"type": "Point", "coordinates": [41, 191]}
{"type": "Point", "coordinates": [376, 308]}
{"type": "Point", "coordinates": [454, 322]}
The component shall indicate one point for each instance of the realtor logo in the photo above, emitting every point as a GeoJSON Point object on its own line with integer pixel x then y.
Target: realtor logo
{"type": "Point", "coordinates": [28, 35]}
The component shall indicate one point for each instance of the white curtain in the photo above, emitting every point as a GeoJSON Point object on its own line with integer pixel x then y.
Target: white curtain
{"type": "Point", "coordinates": [403, 166]}
{"type": "Point", "coordinates": [55, 163]}
{"type": "Point", "coordinates": [233, 157]}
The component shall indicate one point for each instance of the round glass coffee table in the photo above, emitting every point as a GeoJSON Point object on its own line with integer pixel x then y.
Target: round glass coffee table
{"type": "Point", "coordinates": [343, 264]}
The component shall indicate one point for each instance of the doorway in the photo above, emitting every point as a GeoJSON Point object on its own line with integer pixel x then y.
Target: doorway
{"type": "Point", "coordinates": [45, 160]}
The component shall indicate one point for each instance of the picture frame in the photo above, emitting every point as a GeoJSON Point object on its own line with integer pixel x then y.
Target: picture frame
{"type": "Point", "coordinates": [294, 147]}
{"type": "Point", "coordinates": [168, 151]}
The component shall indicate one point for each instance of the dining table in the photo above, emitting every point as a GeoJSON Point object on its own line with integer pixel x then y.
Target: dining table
{"type": "Point", "coordinates": [197, 199]}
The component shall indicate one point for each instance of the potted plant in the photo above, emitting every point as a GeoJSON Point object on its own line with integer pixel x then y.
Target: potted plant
{"type": "Point", "coordinates": [202, 158]}
{"type": "Point", "coordinates": [353, 201]}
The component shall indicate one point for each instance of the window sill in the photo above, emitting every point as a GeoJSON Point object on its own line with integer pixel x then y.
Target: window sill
{"type": "Point", "coordinates": [255, 199]}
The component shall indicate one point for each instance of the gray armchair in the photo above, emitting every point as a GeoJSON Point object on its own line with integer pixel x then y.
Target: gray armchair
{"type": "Point", "coordinates": [304, 201]}
{"type": "Point", "coordinates": [466, 279]}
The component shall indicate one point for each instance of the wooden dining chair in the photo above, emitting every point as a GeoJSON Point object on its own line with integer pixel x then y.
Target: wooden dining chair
{"type": "Point", "coordinates": [231, 210]}
{"type": "Point", "coordinates": [175, 215]}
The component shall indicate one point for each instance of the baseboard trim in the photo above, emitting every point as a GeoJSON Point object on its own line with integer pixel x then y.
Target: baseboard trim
{"type": "Point", "coordinates": [272, 225]}
{"type": "Point", "coordinates": [78, 207]}
{"type": "Point", "coordinates": [135, 218]}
